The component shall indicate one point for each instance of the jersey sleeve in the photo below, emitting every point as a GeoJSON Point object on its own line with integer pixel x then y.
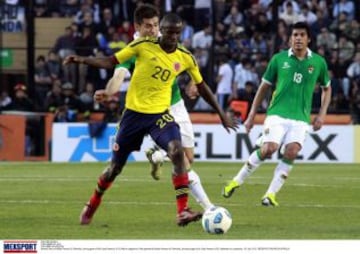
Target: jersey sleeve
{"type": "Point", "coordinates": [324, 78]}
{"type": "Point", "coordinates": [270, 74]}
{"type": "Point", "coordinates": [126, 53]}
{"type": "Point", "coordinates": [194, 70]}
{"type": "Point", "coordinates": [128, 64]}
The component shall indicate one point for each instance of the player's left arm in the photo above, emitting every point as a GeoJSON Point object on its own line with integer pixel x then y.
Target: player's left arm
{"type": "Point", "coordinates": [209, 97]}
{"type": "Point", "coordinates": [325, 98]}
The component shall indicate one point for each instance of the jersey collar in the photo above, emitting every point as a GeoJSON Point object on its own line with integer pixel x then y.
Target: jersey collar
{"type": "Point", "coordinates": [308, 52]}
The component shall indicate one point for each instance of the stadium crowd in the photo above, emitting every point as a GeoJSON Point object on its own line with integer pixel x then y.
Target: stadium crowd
{"type": "Point", "coordinates": [232, 41]}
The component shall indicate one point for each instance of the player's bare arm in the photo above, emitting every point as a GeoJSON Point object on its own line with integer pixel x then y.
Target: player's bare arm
{"type": "Point", "coordinates": [99, 62]}
{"type": "Point", "coordinates": [115, 82]}
{"type": "Point", "coordinates": [325, 101]}
{"type": "Point", "coordinates": [206, 93]}
{"type": "Point", "coordinates": [259, 97]}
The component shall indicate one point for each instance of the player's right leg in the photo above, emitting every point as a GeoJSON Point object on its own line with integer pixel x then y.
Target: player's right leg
{"type": "Point", "coordinates": [129, 137]}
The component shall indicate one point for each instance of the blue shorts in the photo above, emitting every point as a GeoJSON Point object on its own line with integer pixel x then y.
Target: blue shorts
{"type": "Point", "coordinates": [134, 126]}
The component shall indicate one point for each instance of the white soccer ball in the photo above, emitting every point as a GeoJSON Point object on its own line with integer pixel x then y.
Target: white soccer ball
{"type": "Point", "coordinates": [157, 157]}
{"type": "Point", "coordinates": [216, 220]}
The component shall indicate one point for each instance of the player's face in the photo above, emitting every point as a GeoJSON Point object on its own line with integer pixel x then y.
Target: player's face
{"type": "Point", "coordinates": [299, 39]}
{"type": "Point", "coordinates": [149, 27]}
{"type": "Point", "coordinates": [170, 35]}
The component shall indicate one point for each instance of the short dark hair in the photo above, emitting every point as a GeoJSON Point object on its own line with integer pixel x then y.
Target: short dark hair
{"type": "Point", "coordinates": [170, 18]}
{"type": "Point", "coordinates": [301, 25]}
{"type": "Point", "coordinates": [145, 11]}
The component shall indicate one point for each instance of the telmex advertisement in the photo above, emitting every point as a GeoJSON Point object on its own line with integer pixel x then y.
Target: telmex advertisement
{"type": "Point", "coordinates": [71, 142]}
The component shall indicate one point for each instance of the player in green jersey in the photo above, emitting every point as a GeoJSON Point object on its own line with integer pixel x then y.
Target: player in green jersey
{"type": "Point", "coordinates": [294, 74]}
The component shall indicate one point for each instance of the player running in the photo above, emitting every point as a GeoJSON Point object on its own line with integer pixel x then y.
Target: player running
{"type": "Point", "coordinates": [158, 62]}
{"type": "Point", "coordinates": [294, 74]}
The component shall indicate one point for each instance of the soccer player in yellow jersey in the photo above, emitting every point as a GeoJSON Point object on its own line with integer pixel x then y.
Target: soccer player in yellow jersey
{"type": "Point", "coordinates": [158, 62]}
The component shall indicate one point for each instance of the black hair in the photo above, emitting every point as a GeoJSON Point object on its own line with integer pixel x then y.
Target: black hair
{"type": "Point", "coordinates": [170, 18]}
{"type": "Point", "coordinates": [301, 25]}
{"type": "Point", "coordinates": [145, 11]}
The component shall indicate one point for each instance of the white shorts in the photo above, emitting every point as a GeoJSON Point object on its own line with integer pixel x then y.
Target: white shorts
{"type": "Point", "coordinates": [282, 130]}
{"type": "Point", "coordinates": [181, 115]}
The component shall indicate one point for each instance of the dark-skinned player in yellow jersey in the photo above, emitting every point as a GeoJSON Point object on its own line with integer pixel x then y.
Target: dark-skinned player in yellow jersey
{"type": "Point", "coordinates": [159, 62]}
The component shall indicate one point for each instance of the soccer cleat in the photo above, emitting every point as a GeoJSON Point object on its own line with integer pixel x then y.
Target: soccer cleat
{"type": "Point", "coordinates": [155, 167]}
{"type": "Point", "coordinates": [269, 200]}
{"type": "Point", "coordinates": [230, 188]}
{"type": "Point", "coordinates": [187, 216]}
{"type": "Point", "coordinates": [88, 212]}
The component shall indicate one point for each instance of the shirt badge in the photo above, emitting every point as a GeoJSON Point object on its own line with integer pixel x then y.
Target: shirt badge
{"type": "Point", "coordinates": [310, 69]}
{"type": "Point", "coordinates": [177, 66]}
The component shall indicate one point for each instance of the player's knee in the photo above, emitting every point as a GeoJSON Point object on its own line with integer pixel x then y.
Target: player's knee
{"type": "Point", "coordinates": [175, 151]}
{"type": "Point", "coordinates": [291, 151]}
{"type": "Point", "coordinates": [268, 149]}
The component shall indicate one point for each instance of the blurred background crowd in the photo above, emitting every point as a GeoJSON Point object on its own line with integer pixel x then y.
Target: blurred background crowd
{"type": "Point", "coordinates": [231, 40]}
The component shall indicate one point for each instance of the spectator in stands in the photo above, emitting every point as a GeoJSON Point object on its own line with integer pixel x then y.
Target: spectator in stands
{"type": "Point", "coordinates": [5, 100]}
{"type": "Point", "coordinates": [53, 65]}
{"type": "Point", "coordinates": [68, 8]}
{"type": "Point", "coordinates": [234, 17]}
{"type": "Point", "coordinates": [86, 97]}
{"type": "Point", "coordinates": [289, 15]}
{"type": "Point", "coordinates": [307, 15]}
{"type": "Point", "coordinates": [21, 100]}
{"type": "Point", "coordinates": [344, 6]}
{"type": "Point", "coordinates": [107, 20]}
{"type": "Point", "coordinates": [326, 38]}
{"type": "Point", "coordinates": [70, 106]}
{"type": "Point", "coordinates": [186, 34]}
{"type": "Point", "coordinates": [224, 81]}
{"type": "Point", "coordinates": [352, 30]}
{"type": "Point", "coordinates": [258, 43]}
{"type": "Point", "coordinates": [54, 99]}
{"type": "Point", "coordinates": [281, 38]}
{"type": "Point", "coordinates": [322, 21]}
{"type": "Point", "coordinates": [118, 41]}
{"type": "Point", "coordinates": [201, 45]}
{"type": "Point", "coordinates": [353, 71]}
{"type": "Point", "coordinates": [87, 6]}
{"type": "Point", "coordinates": [127, 28]}
{"type": "Point", "coordinates": [339, 23]}
{"type": "Point", "coordinates": [345, 47]}
{"type": "Point", "coordinates": [202, 10]}
{"type": "Point", "coordinates": [42, 78]}
{"type": "Point", "coordinates": [243, 74]}
{"type": "Point", "coordinates": [85, 47]}
{"type": "Point", "coordinates": [65, 45]}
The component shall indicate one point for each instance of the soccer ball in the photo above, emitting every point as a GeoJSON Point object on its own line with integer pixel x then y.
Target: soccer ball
{"type": "Point", "coordinates": [216, 220]}
{"type": "Point", "coordinates": [157, 157]}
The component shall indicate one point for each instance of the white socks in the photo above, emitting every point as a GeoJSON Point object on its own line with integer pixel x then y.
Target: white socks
{"type": "Point", "coordinates": [280, 175]}
{"type": "Point", "coordinates": [198, 191]}
{"type": "Point", "coordinates": [249, 167]}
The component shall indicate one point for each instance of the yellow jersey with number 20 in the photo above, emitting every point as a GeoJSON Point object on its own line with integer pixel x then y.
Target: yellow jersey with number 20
{"type": "Point", "coordinates": [155, 71]}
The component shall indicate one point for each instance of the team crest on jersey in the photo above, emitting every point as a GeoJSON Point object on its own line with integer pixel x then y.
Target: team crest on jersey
{"type": "Point", "coordinates": [177, 66]}
{"type": "Point", "coordinates": [116, 147]}
{"type": "Point", "coordinates": [310, 69]}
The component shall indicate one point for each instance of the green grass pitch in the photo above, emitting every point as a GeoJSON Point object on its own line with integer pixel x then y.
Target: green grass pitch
{"type": "Point", "coordinates": [44, 200]}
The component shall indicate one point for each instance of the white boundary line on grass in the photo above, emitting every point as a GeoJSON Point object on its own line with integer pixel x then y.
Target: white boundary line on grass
{"type": "Point", "coordinates": [33, 201]}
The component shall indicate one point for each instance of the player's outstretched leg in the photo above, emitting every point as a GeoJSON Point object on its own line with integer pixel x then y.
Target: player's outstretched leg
{"type": "Point", "coordinates": [104, 182]}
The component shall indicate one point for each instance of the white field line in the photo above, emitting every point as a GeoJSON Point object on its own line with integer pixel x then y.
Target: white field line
{"type": "Point", "coordinates": [137, 203]}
